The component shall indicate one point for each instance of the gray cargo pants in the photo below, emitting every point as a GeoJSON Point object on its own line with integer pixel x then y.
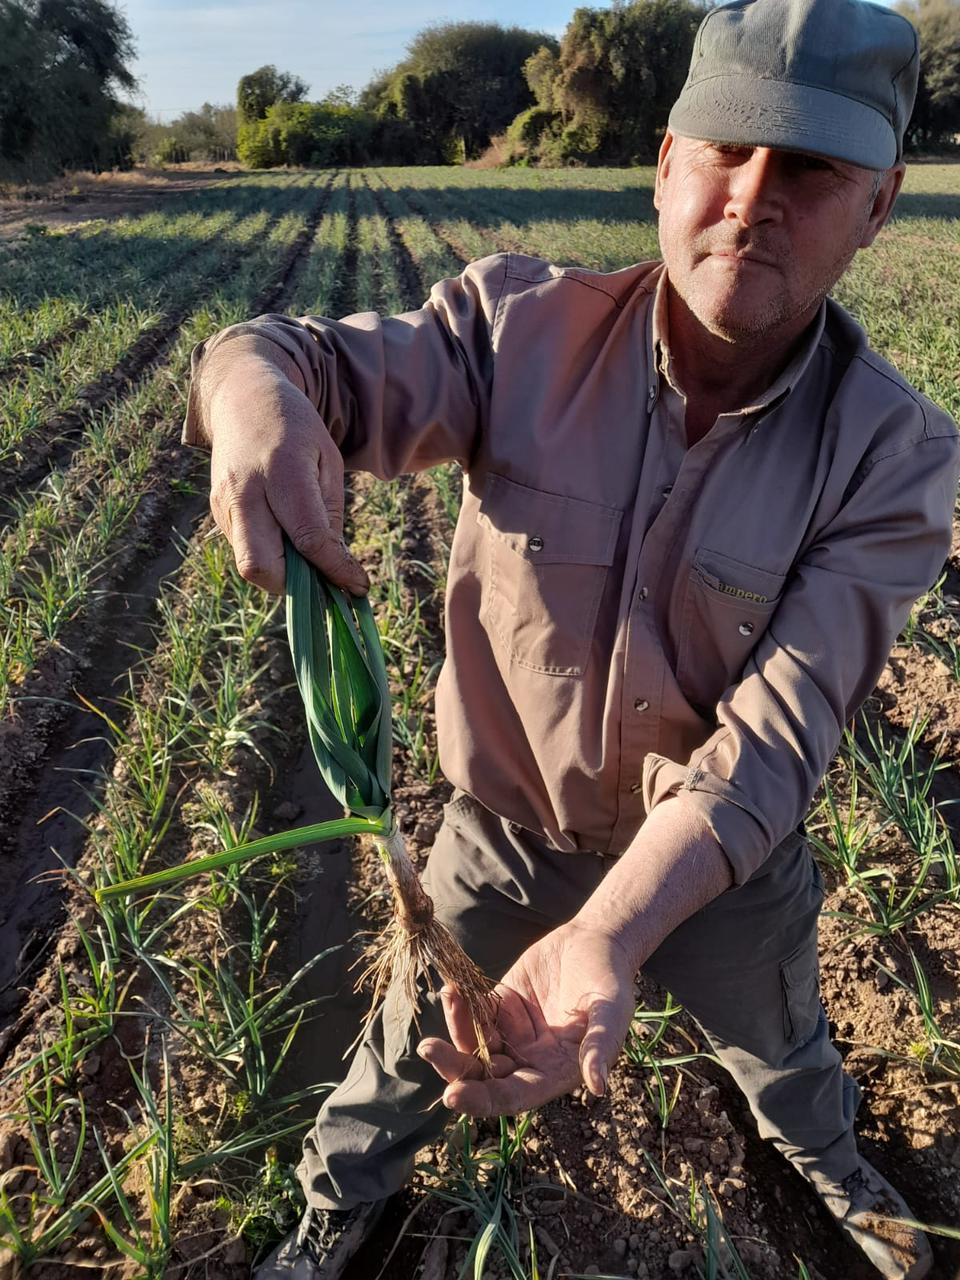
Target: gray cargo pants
{"type": "Point", "coordinates": [745, 967]}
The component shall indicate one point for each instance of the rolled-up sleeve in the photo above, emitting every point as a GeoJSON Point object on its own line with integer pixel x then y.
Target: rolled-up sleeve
{"type": "Point", "coordinates": [397, 394]}
{"type": "Point", "coordinates": [845, 603]}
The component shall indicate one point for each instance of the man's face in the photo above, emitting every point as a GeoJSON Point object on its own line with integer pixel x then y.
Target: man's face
{"type": "Point", "coordinates": [754, 238]}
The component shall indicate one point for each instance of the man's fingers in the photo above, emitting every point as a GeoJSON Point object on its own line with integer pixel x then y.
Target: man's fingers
{"type": "Point", "coordinates": [257, 544]}
{"type": "Point", "coordinates": [453, 1065]}
{"type": "Point", "coordinates": [448, 1062]}
{"type": "Point", "coordinates": [521, 1090]}
{"type": "Point", "coordinates": [460, 1024]}
{"type": "Point", "coordinates": [298, 505]}
{"type": "Point", "coordinates": [600, 1044]}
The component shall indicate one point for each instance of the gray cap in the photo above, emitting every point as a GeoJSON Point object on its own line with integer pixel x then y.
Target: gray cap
{"type": "Point", "coordinates": [835, 77]}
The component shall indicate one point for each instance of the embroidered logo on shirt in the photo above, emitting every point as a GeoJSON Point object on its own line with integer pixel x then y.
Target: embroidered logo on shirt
{"type": "Point", "coordinates": [741, 593]}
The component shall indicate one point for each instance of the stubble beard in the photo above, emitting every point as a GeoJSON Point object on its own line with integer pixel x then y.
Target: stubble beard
{"type": "Point", "coordinates": [781, 308]}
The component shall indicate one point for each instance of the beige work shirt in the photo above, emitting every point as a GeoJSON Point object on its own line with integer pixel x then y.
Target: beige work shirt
{"type": "Point", "coordinates": [626, 617]}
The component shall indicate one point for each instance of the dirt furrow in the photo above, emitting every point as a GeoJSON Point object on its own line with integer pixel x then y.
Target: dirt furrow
{"type": "Point", "coordinates": [410, 281]}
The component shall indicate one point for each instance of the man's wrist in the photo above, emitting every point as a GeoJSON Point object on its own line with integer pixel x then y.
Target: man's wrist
{"type": "Point", "coordinates": [626, 936]}
{"type": "Point", "coordinates": [623, 938]}
{"type": "Point", "coordinates": [244, 371]}
{"type": "Point", "coordinates": [672, 868]}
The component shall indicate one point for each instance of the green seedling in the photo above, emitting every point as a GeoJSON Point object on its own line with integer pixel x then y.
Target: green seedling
{"type": "Point", "coordinates": [639, 1048]}
{"type": "Point", "coordinates": [484, 1181]}
{"type": "Point", "coordinates": [149, 1249]}
{"type": "Point", "coordinates": [937, 1052]}
{"type": "Point", "coordinates": [36, 1229]}
{"type": "Point", "coordinates": [49, 1114]}
{"type": "Point", "coordinates": [701, 1214]}
{"type": "Point", "coordinates": [231, 1026]}
{"type": "Point", "coordinates": [903, 788]}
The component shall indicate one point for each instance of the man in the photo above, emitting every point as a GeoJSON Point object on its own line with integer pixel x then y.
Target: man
{"type": "Point", "coordinates": [697, 511]}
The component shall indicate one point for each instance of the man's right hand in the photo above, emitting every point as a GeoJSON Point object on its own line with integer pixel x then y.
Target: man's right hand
{"type": "Point", "coordinates": [275, 468]}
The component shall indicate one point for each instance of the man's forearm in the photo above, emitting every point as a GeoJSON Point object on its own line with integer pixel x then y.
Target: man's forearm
{"type": "Point", "coordinates": [672, 868]}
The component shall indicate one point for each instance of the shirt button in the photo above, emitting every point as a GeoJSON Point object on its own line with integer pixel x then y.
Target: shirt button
{"type": "Point", "coordinates": [642, 593]}
{"type": "Point", "coordinates": [637, 786]}
{"type": "Point", "coordinates": [668, 490]}
{"type": "Point", "coordinates": [746, 628]}
{"type": "Point", "coordinates": [641, 704]}
{"type": "Point", "coordinates": [535, 543]}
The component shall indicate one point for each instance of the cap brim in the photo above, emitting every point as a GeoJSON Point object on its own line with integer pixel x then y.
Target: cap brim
{"type": "Point", "coordinates": [792, 117]}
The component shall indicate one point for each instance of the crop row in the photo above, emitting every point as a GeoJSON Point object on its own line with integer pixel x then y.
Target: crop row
{"type": "Point", "coordinates": [90, 365]}
{"type": "Point", "coordinates": [58, 280]}
{"type": "Point", "coordinates": [58, 547]}
{"type": "Point", "coordinates": [190, 981]}
{"type": "Point", "coordinates": [150, 1056]}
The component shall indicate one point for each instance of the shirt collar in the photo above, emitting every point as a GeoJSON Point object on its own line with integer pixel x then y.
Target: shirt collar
{"type": "Point", "coordinates": [661, 365]}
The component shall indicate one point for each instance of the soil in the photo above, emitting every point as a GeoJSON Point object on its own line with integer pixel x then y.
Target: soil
{"type": "Point", "coordinates": [83, 197]}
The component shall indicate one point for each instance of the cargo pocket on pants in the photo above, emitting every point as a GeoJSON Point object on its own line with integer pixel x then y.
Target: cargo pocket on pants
{"type": "Point", "coordinates": [800, 990]}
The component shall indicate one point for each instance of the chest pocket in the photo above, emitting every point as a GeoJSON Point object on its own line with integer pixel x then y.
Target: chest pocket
{"type": "Point", "coordinates": [727, 609]}
{"type": "Point", "coordinates": [546, 560]}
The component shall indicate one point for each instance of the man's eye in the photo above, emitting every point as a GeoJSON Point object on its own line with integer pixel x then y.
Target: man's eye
{"type": "Point", "coordinates": [815, 163]}
{"type": "Point", "coordinates": [730, 151]}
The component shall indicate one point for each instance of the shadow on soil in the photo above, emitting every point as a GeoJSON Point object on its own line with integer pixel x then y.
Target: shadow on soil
{"type": "Point", "coordinates": [62, 266]}
{"type": "Point", "coordinates": [524, 206]}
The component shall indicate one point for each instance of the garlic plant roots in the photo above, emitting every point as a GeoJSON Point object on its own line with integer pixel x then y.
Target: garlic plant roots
{"type": "Point", "coordinates": [414, 943]}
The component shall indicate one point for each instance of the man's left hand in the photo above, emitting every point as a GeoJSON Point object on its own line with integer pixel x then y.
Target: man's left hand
{"type": "Point", "coordinates": [563, 1012]}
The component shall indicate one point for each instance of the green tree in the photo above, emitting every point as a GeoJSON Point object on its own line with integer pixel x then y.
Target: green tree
{"type": "Point", "coordinates": [460, 83]}
{"type": "Point", "coordinates": [316, 134]}
{"type": "Point", "coordinates": [936, 114]}
{"type": "Point", "coordinates": [62, 64]}
{"type": "Point", "coordinates": [207, 134]}
{"type": "Point", "coordinates": [611, 86]}
{"type": "Point", "coordinates": [258, 91]}
{"type": "Point", "coordinates": [341, 95]}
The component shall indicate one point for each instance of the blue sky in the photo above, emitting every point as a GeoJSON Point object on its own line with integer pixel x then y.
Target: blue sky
{"type": "Point", "coordinates": [190, 53]}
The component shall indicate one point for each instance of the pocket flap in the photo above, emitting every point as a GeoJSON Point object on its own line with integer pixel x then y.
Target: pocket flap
{"type": "Point", "coordinates": [799, 969]}
{"type": "Point", "coordinates": [741, 584]}
{"type": "Point", "coordinates": [546, 528]}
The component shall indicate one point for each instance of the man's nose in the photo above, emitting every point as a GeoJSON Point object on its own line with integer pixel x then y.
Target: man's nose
{"type": "Point", "coordinates": [756, 189]}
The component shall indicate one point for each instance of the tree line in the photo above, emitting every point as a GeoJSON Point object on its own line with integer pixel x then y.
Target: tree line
{"type": "Point", "coordinates": [599, 95]}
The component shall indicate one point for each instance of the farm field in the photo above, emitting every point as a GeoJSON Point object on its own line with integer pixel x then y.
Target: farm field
{"type": "Point", "coordinates": [160, 1057]}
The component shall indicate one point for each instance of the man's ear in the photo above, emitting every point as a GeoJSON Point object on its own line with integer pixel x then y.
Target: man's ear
{"type": "Point", "coordinates": [663, 163]}
{"type": "Point", "coordinates": [883, 203]}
